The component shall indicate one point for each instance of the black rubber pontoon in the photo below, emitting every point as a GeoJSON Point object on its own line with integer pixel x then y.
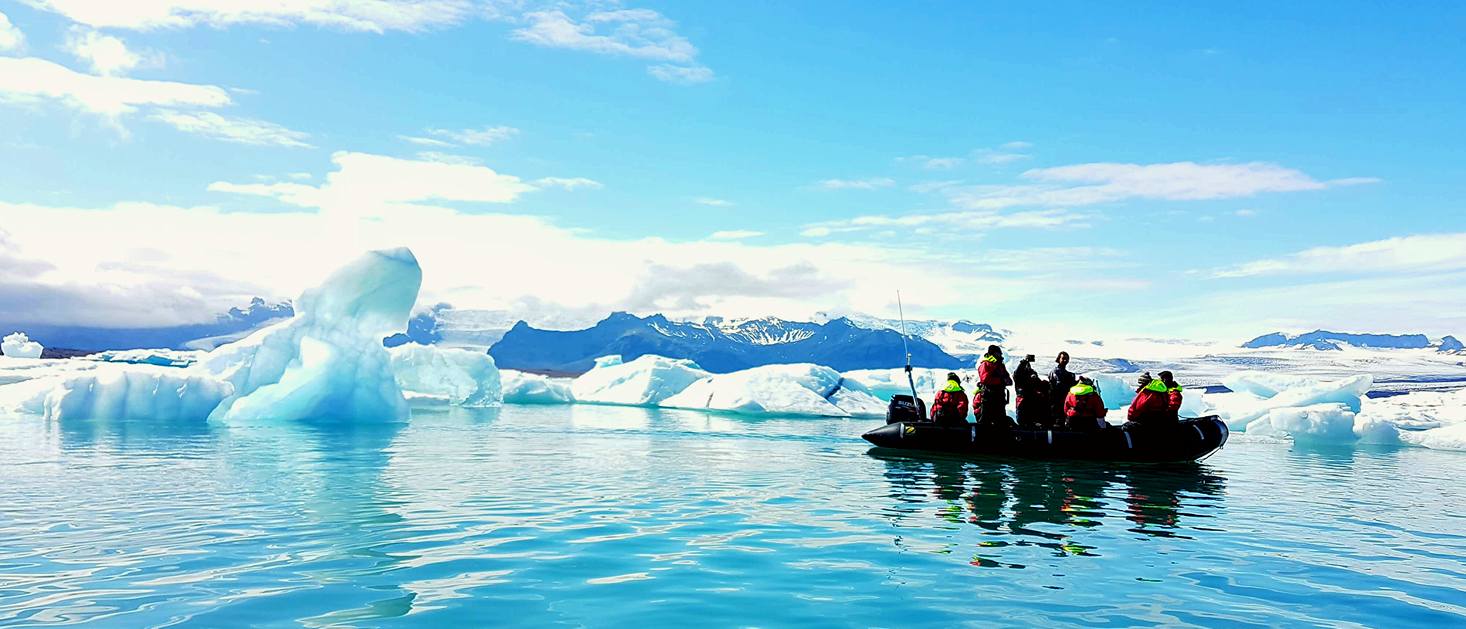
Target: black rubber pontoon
{"type": "Point", "coordinates": [1188, 440]}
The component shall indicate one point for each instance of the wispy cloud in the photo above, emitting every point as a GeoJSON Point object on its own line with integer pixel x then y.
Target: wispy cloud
{"type": "Point", "coordinates": [29, 78]}
{"type": "Point", "coordinates": [1089, 184]}
{"type": "Point", "coordinates": [637, 33]}
{"type": "Point", "coordinates": [352, 15]}
{"type": "Point", "coordinates": [568, 183]}
{"type": "Point", "coordinates": [1406, 254]}
{"type": "Point", "coordinates": [231, 129]}
{"type": "Point", "coordinates": [475, 137]}
{"type": "Point", "coordinates": [422, 141]}
{"type": "Point", "coordinates": [711, 202]}
{"type": "Point", "coordinates": [870, 183]}
{"type": "Point", "coordinates": [960, 221]}
{"type": "Point", "coordinates": [1002, 154]}
{"type": "Point", "coordinates": [735, 234]}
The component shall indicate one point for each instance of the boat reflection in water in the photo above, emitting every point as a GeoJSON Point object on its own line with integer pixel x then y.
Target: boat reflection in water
{"type": "Point", "coordinates": [1066, 507]}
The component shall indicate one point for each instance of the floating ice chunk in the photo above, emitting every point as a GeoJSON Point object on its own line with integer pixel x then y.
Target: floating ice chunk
{"type": "Point", "coordinates": [156, 357]}
{"type": "Point", "coordinates": [1114, 389]}
{"type": "Point", "coordinates": [1419, 410]}
{"type": "Point", "coordinates": [645, 381]}
{"type": "Point", "coordinates": [328, 360]}
{"type": "Point", "coordinates": [1322, 423]}
{"type": "Point", "coordinates": [1194, 403]}
{"type": "Point", "coordinates": [18, 345]}
{"type": "Point", "coordinates": [1265, 384]}
{"type": "Point", "coordinates": [1348, 392]}
{"type": "Point", "coordinates": [125, 392]}
{"type": "Point", "coordinates": [801, 389]}
{"type": "Point", "coordinates": [529, 388]}
{"type": "Point", "coordinates": [456, 376]}
{"type": "Point", "coordinates": [1451, 437]}
{"type": "Point", "coordinates": [884, 383]}
{"type": "Point", "coordinates": [608, 361]}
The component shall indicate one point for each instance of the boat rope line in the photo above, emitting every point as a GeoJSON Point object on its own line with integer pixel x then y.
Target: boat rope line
{"type": "Point", "coordinates": [1128, 444]}
{"type": "Point", "coordinates": [1051, 436]}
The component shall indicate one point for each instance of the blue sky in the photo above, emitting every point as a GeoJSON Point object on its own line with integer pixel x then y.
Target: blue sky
{"type": "Point", "coordinates": [1211, 171]}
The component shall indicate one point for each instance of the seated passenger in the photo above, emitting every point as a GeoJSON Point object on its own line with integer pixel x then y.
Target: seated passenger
{"type": "Point", "coordinates": [1084, 411]}
{"type": "Point", "coordinates": [950, 405]}
{"type": "Point", "coordinates": [1173, 395]}
{"type": "Point", "coordinates": [1152, 404]}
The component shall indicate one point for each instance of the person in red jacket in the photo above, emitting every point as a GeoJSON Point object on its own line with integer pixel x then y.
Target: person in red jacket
{"type": "Point", "coordinates": [991, 400]}
{"type": "Point", "coordinates": [1152, 404]}
{"type": "Point", "coordinates": [1084, 411]}
{"type": "Point", "coordinates": [950, 405]}
{"type": "Point", "coordinates": [1173, 395]}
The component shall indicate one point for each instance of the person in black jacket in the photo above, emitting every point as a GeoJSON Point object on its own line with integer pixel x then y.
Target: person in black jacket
{"type": "Point", "coordinates": [1032, 405]}
{"type": "Point", "coordinates": [1060, 381]}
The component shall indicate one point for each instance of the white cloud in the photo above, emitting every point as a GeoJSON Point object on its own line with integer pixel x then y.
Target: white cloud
{"type": "Point", "coordinates": [1245, 213]}
{"type": "Point", "coordinates": [27, 79]}
{"type": "Point", "coordinates": [682, 75]}
{"type": "Point", "coordinates": [1428, 253]}
{"type": "Point", "coordinates": [932, 163]}
{"type": "Point", "coordinates": [476, 137]}
{"type": "Point", "coordinates": [467, 258]}
{"type": "Point", "coordinates": [636, 33]}
{"type": "Point", "coordinates": [230, 129]}
{"type": "Point", "coordinates": [568, 183]}
{"type": "Point", "coordinates": [421, 141]}
{"type": "Point", "coordinates": [857, 184]}
{"type": "Point", "coordinates": [365, 184]}
{"type": "Point", "coordinates": [963, 222]}
{"type": "Point", "coordinates": [354, 15]}
{"type": "Point", "coordinates": [711, 202]}
{"type": "Point", "coordinates": [10, 37]}
{"type": "Point", "coordinates": [104, 53]}
{"type": "Point", "coordinates": [1089, 184]}
{"type": "Point", "coordinates": [735, 234]}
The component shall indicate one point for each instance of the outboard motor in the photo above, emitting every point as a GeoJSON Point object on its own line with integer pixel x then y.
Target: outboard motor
{"type": "Point", "coordinates": [905, 408]}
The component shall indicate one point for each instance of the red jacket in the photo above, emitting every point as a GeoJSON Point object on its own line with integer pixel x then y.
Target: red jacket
{"type": "Point", "coordinates": [950, 406]}
{"type": "Point", "coordinates": [1149, 406]}
{"type": "Point", "coordinates": [1173, 402]}
{"type": "Point", "coordinates": [1084, 402]}
{"type": "Point", "coordinates": [993, 373]}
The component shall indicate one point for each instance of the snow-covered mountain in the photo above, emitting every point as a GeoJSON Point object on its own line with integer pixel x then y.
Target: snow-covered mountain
{"type": "Point", "coordinates": [718, 345]}
{"type": "Point", "coordinates": [225, 327]}
{"type": "Point", "coordinates": [1333, 341]}
{"type": "Point", "coordinates": [961, 338]}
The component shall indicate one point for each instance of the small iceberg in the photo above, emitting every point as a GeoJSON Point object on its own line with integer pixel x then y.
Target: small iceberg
{"type": "Point", "coordinates": [18, 345]}
{"type": "Point", "coordinates": [646, 381]}
{"type": "Point", "coordinates": [800, 389]}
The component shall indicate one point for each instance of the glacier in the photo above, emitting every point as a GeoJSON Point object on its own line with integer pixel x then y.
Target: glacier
{"type": "Point", "coordinates": [798, 389]}
{"type": "Point", "coordinates": [18, 345]}
{"type": "Point", "coordinates": [646, 381]}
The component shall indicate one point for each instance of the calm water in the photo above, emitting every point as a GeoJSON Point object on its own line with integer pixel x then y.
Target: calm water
{"type": "Point", "coordinates": [613, 516]}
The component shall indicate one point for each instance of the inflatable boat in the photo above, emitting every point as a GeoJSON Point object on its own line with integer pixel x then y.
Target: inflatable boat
{"type": "Point", "coordinates": [1186, 441]}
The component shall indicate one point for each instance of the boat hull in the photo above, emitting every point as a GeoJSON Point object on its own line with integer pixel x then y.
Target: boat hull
{"type": "Point", "coordinates": [1188, 440]}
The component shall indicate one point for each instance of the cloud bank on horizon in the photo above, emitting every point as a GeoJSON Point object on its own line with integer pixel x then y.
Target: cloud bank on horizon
{"type": "Point", "coordinates": [169, 159]}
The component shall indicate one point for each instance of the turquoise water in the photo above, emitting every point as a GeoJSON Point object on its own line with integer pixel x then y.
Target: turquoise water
{"type": "Point", "coordinates": [612, 516]}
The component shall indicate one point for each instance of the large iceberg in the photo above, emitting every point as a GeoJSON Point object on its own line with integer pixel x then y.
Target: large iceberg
{"type": "Point", "coordinates": [18, 345]}
{"type": "Point", "coordinates": [1113, 388]}
{"type": "Point", "coordinates": [532, 388]}
{"type": "Point", "coordinates": [800, 389]}
{"type": "Point", "coordinates": [1330, 422]}
{"type": "Point", "coordinates": [456, 376]}
{"type": "Point", "coordinates": [645, 381]}
{"type": "Point", "coordinates": [326, 361]}
{"type": "Point", "coordinates": [1264, 384]}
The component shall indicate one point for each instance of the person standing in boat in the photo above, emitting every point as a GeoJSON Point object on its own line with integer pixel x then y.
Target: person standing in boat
{"type": "Point", "coordinates": [950, 405]}
{"type": "Point", "coordinates": [1032, 404]}
{"type": "Point", "coordinates": [1060, 381]}
{"type": "Point", "coordinates": [991, 400]}
{"type": "Point", "coordinates": [1084, 411]}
